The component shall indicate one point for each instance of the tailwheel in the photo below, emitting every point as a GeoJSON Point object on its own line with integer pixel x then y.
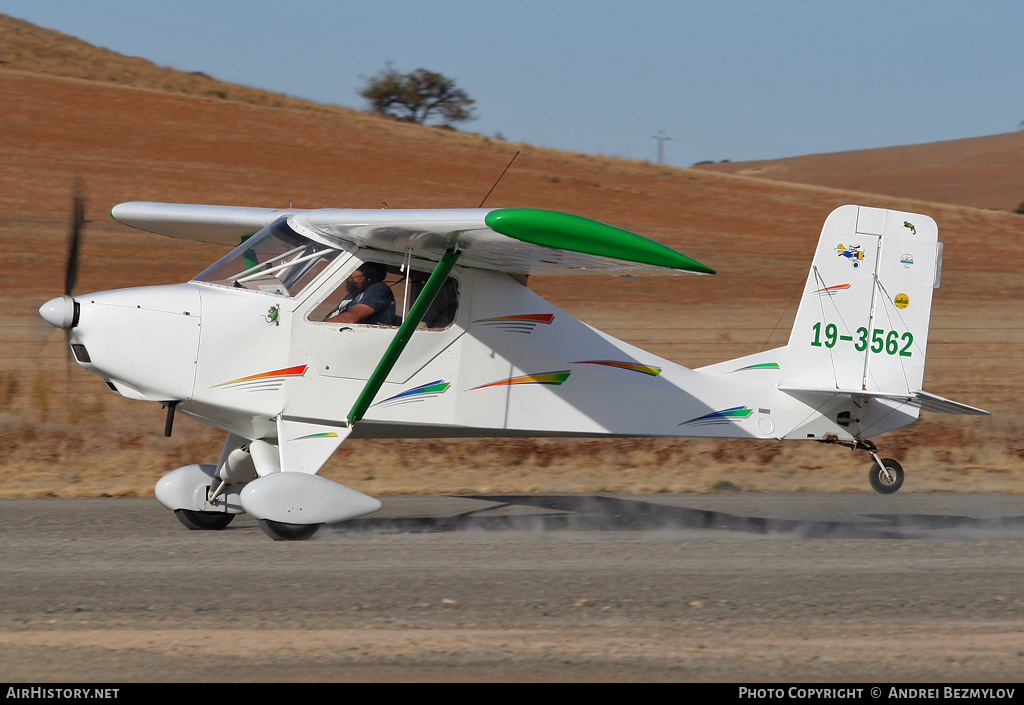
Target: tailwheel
{"type": "Point", "coordinates": [282, 531]}
{"type": "Point", "coordinates": [203, 521]}
{"type": "Point", "coordinates": [887, 476]}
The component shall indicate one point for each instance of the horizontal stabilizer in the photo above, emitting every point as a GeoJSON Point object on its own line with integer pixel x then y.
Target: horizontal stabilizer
{"type": "Point", "coordinates": [920, 399]}
{"type": "Point", "coordinates": [941, 405]}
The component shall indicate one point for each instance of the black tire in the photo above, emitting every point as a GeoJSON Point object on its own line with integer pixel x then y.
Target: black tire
{"type": "Point", "coordinates": [886, 483]}
{"type": "Point", "coordinates": [281, 531]}
{"type": "Point", "coordinates": [203, 521]}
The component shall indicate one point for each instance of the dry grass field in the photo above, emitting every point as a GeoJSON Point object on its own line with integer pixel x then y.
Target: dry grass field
{"type": "Point", "coordinates": [983, 172]}
{"type": "Point", "coordinates": [134, 131]}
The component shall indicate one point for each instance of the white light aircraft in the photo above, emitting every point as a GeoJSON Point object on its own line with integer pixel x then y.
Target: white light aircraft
{"type": "Point", "coordinates": [256, 347]}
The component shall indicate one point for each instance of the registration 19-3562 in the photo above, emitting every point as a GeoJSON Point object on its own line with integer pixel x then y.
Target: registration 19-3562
{"type": "Point", "coordinates": [882, 341]}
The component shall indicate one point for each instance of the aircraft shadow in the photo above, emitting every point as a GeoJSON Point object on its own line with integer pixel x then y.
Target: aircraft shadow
{"type": "Point", "coordinates": [600, 513]}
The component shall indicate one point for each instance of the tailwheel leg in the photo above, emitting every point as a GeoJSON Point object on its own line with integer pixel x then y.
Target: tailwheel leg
{"type": "Point", "coordinates": [886, 475]}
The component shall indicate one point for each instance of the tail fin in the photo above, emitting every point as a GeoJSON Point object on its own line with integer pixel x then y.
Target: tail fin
{"type": "Point", "coordinates": [862, 325]}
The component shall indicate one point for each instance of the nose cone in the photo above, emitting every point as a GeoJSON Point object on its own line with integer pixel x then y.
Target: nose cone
{"type": "Point", "coordinates": [59, 312]}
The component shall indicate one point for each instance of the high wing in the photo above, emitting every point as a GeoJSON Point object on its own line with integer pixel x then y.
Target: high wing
{"type": "Point", "coordinates": [222, 225]}
{"type": "Point", "coordinates": [516, 240]}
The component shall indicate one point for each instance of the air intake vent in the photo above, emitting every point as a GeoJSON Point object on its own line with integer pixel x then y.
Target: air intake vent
{"type": "Point", "coordinates": [81, 354]}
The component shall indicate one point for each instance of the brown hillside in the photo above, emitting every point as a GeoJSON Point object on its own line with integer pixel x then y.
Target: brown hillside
{"type": "Point", "coordinates": [983, 172]}
{"type": "Point", "coordinates": [27, 47]}
{"type": "Point", "coordinates": [157, 139]}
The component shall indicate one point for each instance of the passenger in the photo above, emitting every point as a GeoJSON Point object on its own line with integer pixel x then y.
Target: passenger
{"type": "Point", "coordinates": [369, 299]}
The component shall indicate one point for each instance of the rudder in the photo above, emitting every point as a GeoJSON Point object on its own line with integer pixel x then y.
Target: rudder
{"type": "Point", "coordinates": [863, 318]}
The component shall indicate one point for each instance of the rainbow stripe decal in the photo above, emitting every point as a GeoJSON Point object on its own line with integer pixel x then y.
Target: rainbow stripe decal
{"type": "Point", "coordinates": [325, 434]}
{"type": "Point", "coordinates": [519, 323]}
{"type": "Point", "coordinates": [420, 393]}
{"type": "Point", "coordinates": [736, 413]}
{"type": "Point", "coordinates": [535, 317]}
{"type": "Point", "coordinates": [632, 366]}
{"type": "Point", "coordinates": [831, 290]}
{"type": "Point", "coordinates": [265, 381]}
{"type": "Point", "coordinates": [761, 366]}
{"type": "Point", "coordinates": [553, 378]}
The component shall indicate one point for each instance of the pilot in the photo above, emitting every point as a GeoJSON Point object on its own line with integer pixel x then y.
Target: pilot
{"type": "Point", "coordinates": [369, 299]}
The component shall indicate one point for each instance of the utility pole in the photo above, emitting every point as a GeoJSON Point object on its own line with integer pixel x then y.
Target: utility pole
{"type": "Point", "coordinates": [661, 145]}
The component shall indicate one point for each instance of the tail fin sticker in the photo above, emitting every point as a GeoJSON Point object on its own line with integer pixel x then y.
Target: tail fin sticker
{"type": "Point", "coordinates": [852, 253]}
{"type": "Point", "coordinates": [831, 290]}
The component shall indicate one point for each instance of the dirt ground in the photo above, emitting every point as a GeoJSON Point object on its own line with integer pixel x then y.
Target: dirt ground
{"type": "Point", "coordinates": [114, 590]}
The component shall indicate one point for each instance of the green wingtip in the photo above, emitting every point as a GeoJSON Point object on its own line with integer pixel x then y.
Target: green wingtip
{"type": "Point", "coordinates": [572, 232]}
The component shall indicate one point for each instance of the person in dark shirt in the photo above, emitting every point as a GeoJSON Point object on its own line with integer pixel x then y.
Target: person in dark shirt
{"type": "Point", "coordinates": [369, 299]}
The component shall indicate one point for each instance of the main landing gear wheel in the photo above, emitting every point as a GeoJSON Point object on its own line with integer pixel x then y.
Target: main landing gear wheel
{"type": "Point", "coordinates": [282, 531]}
{"type": "Point", "coordinates": [203, 521]}
{"type": "Point", "coordinates": [887, 479]}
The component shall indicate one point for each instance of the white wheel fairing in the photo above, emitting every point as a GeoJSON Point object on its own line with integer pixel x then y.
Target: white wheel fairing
{"type": "Point", "coordinates": [299, 498]}
{"type": "Point", "coordinates": [186, 487]}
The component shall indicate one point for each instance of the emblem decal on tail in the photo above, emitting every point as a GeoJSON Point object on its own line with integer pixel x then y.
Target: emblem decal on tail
{"type": "Point", "coordinates": [851, 252]}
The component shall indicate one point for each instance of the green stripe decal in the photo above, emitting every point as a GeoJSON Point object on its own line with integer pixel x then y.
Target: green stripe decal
{"type": "Point", "coordinates": [761, 366]}
{"type": "Point", "coordinates": [572, 232]}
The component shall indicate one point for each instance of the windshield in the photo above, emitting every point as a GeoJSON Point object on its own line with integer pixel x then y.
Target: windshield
{"type": "Point", "coordinates": [276, 260]}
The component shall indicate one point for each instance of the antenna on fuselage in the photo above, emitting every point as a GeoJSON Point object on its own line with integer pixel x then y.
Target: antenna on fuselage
{"type": "Point", "coordinates": [499, 179]}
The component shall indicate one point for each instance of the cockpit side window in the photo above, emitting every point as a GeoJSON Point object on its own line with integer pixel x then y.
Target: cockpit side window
{"type": "Point", "coordinates": [277, 260]}
{"type": "Point", "coordinates": [384, 284]}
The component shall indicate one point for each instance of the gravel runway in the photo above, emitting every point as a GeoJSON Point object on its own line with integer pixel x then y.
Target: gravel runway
{"type": "Point", "coordinates": [744, 588]}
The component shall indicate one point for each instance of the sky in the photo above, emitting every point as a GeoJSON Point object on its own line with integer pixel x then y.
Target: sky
{"type": "Point", "coordinates": [729, 80]}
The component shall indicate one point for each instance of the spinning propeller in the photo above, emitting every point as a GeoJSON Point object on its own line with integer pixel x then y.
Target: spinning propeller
{"type": "Point", "coordinates": [62, 312]}
{"type": "Point", "coordinates": [77, 224]}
